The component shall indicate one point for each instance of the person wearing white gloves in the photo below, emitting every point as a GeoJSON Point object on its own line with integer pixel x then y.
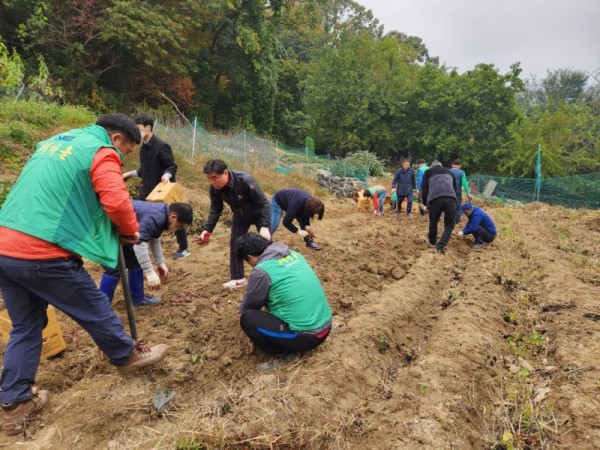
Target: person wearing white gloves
{"type": "Point", "coordinates": [154, 218]}
{"type": "Point", "coordinates": [300, 206]}
{"type": "Point", "coordinates": [249, 205]}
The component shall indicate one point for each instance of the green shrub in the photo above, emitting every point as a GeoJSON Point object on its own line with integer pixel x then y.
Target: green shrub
{"type": "Point", "coordinates": [367, 159]}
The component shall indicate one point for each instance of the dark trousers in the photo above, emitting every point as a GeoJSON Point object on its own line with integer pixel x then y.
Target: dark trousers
{"type": "Point", "coordinates": [131, 261]}
{"type": "Point", "coordinates": [181, 236]}
{"type": "Point", "coordinates": [273, 336]}
{"type": "Point", "coordinates": [28, 287]}
{"type": "Point", "coordinates": [437, 207]}
{"type": "Point", "coordinates": [239, 227]}
{"type": "Point", "coordinates": [409, 202]}
{"type": "Point", "coordinates": [482, 235]}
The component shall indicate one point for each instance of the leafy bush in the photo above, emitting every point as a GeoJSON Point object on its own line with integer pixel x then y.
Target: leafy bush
{"type": "Point", "coordinates": [367, 159]}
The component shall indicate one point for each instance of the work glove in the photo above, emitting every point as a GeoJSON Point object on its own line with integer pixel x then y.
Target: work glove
{"type": "Point", "coordinates": [461, 234]}
{"type": "Point", "coordinates": [264, 232]}
{"type": "Point", "coordinates": [163, 271]}
{"type": "Point", "coordinates": [303, 234]}
{"type": "Point", "coordinates": [153, 279]}
{"type": "Point", "coordinates": [310, 232]}
{"type": "Point", "coordinates": [204, 238]}
{"type": "Point", "coordinates": [127, 175]}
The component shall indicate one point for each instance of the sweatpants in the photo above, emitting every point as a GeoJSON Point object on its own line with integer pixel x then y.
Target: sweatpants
{"type": "Point", "coordinates": [274, 337]}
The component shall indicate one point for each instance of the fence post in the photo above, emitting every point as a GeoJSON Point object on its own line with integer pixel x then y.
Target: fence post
{"type": "Point", "coordinates": [194, 139]}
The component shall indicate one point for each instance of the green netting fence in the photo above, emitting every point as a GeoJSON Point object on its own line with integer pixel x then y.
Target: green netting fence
{"type": "Point", "coordinates": [577, 191]}
{"type": "Point", "coordinates": [247, 151]}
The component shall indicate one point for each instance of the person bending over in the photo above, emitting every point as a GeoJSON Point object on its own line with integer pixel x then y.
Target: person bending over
{"type": "Point", "coordinates": [298, 205]}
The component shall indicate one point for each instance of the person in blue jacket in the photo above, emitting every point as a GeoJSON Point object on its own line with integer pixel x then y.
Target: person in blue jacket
{"type": "Point", "coordinates": [403, 185]}
{"type": "Point", "coordinates": [154, 218]}
{"type": "Point", "coordinates": [479, 224]}
{"type": "Point", "coordinates": [300, 206]}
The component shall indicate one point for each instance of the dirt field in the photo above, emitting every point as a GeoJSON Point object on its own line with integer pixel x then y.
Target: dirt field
{"type": "Point", "coordinates": [497, 348]}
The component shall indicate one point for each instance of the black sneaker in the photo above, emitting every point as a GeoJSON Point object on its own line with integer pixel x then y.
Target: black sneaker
{"type": "Point", "coordinates": [441, 250]}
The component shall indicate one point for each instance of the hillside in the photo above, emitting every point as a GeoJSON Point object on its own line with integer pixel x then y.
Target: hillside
{"type": "Point", "coordinates": [467, 350]}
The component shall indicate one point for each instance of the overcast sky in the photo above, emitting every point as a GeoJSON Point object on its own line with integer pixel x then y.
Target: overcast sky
{"type": "Point", "coordinates": [541, 34]}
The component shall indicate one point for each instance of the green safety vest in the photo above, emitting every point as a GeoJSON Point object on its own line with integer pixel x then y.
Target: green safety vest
{"type": "Point", "coordinates": [296, 295]}
{"type": "Point", "coordinates": [54, 198]}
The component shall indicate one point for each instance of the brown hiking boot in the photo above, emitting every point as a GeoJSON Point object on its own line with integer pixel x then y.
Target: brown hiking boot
{"type": "Point", "coordinates": [143, 356]}
{"type": "Point", "coordinates": [15, 421]}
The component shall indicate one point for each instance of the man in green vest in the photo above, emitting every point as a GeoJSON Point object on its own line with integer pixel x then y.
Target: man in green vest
{"type": "Point", "coordinates": [69, 202]}
{"type": "Point", "coordinates": [296, 316]}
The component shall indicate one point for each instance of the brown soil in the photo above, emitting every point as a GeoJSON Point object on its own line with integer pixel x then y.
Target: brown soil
{"type": "Point", "coordinates": [428, 351]}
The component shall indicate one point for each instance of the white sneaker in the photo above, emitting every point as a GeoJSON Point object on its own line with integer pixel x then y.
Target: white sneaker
{"type": "Point", "coordinates": [235, 284]}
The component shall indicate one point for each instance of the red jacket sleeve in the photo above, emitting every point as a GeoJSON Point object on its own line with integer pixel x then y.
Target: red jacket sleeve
{"type": "Point", "coordinates": [110, 187]}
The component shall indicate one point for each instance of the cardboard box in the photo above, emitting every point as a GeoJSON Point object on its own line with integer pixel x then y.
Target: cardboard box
{"type": "Point", "coordinates": [166, 193]}
{"type": "Point", "coordinates": [54, 342]}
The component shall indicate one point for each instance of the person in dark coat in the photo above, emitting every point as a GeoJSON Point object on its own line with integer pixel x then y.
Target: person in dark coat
{"type": "Point", "coordinates": [249, 205]}
{"type": "Point", "coordinates": [157, 165]}
{"type": "Point", "coordinates": [300, 206]}
{"type": "Point", "coordinates": [403, 184]}
{"type": "Point", "coordinates": [439, 194]}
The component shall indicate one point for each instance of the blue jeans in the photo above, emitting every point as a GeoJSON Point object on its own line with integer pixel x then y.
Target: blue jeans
{"type": "Point", "coordinates": [27, 288]}
{"type": "Point", "coordinates": [276, 213]}
{"type": "Point", "coordinates": [381, 199]}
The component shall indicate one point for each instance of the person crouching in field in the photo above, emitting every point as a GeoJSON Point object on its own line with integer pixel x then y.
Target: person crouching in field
{"type": "Point", "coordinates": [154, 218]}
{"type": "Point", "coordinates": [479, 224]}
{"type": "Point", "coordinates": [297, 317]}
{"type": "Point", "coordinates": [377, 193]}
{"type": "Point", "coordinates": [298, 205]}
{"type": "Point", "coordinates": [69, 202]}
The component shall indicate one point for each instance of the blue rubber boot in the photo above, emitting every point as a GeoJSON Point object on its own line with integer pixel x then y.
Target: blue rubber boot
{"type": "Point", "coordinates": [136, 286]}
{"type": "Point", "coordinates": [108, 284]}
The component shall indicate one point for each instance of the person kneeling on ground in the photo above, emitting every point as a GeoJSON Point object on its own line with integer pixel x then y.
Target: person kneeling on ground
{"type": "Point", "coordinates": [297, 316]}
{"type": "Point", "coordinates": [154, 218]}
{"type": "Point", "coordinates": [479, 224]}
{"type": "Point", "coordinates": [298, 205]}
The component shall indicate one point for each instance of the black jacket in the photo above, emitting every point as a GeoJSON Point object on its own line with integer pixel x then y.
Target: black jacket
{"type": "Point", "coordinates": [244, 196]}
{"type": "Point", "coordinates": [438, 182]}
{"type": "Point", "coordinates": [156, 159]}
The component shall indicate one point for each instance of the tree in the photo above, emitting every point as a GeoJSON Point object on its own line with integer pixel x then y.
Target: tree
{"type": "Point", "coordinates": [570, 141]}
{"type": "Point", "coordinates": [462, 116]}
{"type": "Point", "coordinates": [356, 92]}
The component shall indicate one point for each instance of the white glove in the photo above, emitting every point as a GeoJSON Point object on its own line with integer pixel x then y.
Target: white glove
{"type": "Point", "coordinates": [461, 234]}
{"type": "Point", "coordinates": [264, 232]}
{"type": "Point", "coordinates": [163, 271]}
{"type": "Point", "coordinates": [152, 278]}
{"type": "Point", "coordinates": [302, 233]}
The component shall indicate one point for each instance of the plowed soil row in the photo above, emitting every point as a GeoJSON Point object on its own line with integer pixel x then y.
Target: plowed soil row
{"type": "Point", "coordinates": [428, 351]}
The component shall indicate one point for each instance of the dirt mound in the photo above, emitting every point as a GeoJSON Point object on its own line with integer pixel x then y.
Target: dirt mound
{"type": "Point", "coordinates": [471, 349]}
